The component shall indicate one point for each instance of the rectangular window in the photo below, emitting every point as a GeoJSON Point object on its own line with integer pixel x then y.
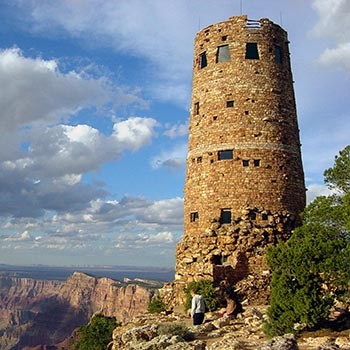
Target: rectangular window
{"type": "Point", "coordinates": [256, 162]}
{"type": "Point", "coordinates": [230, 104]}
{"type": "Point", "coordinates": [194, 216]}
{"type": "Point", "coordinates": [199, 159]}
{"type": "Point", "coordinates": [225, 154]}
{"type": "Point", "coordinates": [196, 108]}
{"type": "Point", "coordinates": [278, 54]}
{"type": "Point", "coordinates": [251, 51]}
{"type": "Point", "coordinates": [203, 60]}
{"type": "Point", "coordinates": [245, 162]}
{"type": "Point", "coordinates": [225, 217]}
{"type": "Point", "coordinates": [223, 54]}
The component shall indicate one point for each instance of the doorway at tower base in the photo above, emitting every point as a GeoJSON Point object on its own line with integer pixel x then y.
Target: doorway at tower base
{"type": "Point", "coordinates": [235, 252]}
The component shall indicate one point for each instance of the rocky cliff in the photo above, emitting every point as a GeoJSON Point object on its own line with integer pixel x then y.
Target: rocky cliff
{"type": "Point", "coordinates": [36, 312]}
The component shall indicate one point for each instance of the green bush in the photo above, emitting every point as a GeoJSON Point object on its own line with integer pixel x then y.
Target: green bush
{"type": "Point", "coordinates": [205, 288]}
{"type": "Point", "coordinates": [175, 328]}
{"type": "Point", "coordinates": [97, 334]}
{"type": "Point", "coordinates": [313, 266]}
{"type": "Point", "coordinates": [156, 305]}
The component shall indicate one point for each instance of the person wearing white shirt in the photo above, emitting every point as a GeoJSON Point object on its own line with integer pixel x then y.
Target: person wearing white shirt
{"type": "Point", "coordinates": [197, 308]}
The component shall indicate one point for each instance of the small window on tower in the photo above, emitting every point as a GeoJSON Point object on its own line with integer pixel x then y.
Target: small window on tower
{"type": "Point", "coordinates": [251, 51]}
{"type": "Point", "coordinates": [256, 162]}
{"type": "Point", "coordinates": [199, 159]}
{"type": "Point", "coordinates": [194, 216]}
{"type": "Point", "coordinates": [225, 217]}
{"type": "Point", "coordinates": [196, 108]}
{"type": "Point", "coordinates": [230, 104]}
{"type": "Point", "coordinates": [245, 162]}
{"type": "Point", "coordinates": [278, 54]}
{"type": "Point", "coordinates": [223, 54]}
{"type": "Point", "coordinates": [225, 154]}
{"type": "Point", "coordinates": [203, 60]}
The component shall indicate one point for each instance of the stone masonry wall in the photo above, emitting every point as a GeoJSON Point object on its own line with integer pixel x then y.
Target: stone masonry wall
{"type": "Point", "coordinates": [244, 151]}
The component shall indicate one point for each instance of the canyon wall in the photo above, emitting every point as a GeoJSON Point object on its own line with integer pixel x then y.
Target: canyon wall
{"type": "Point", "coordinates": [34, 312]}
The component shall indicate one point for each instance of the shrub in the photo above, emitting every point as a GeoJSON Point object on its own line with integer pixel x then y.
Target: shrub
{"type": "Point", "coordinates": [156, 305]}
{"type": "Point", "coordinates": [175, 328]}
{"type": "Point", "coordinates": [97, 334]}
{"type": "Point", "coordinates": [205, 288]}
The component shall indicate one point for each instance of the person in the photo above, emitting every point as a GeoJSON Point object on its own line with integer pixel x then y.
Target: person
{"type": "Point", "coordinates": [197, 308]}
{"type": "Point", "coordinates": [230, 309]}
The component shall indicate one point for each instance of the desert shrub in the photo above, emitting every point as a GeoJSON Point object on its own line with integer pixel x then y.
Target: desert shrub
{"type": "Point", "coordinates": [175, 328]}
{"type": "Point", "coordinates": [97, 334]}
{"type": "Point", "coordinates": [313, 266]}
{"type": "Point", "coordinates": [156, 305]}
{"type": "Point", "coordinates": [205, 288]}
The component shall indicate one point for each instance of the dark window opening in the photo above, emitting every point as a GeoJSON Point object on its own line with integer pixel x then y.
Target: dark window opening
{"type": "Point", "coordinates": [264, 216]}
{"type": "Point", "coordinates": [246, 112]}
{"type": "Point", "coordinates": [245, 162]}
{"type": "Point", "coordinates": [225, 217]}
{"type": "Point", "coordinates": [224, 38]}
{"type": "Point", "coordinates": [199, 159]}
{"type": "Point", "coordinates": [226, 154]}
{"type": "Point", "coordinates": [194, 216]}
{"type": "Point", "coordinates": [196, 108]}
{"type": "Point", "coordinates": [230, 103]}
{"type": "Point", "coordinates": [194, 259]}
{"type": "Point", "coordinates": [223, 54]}
{"type": "Point", "coordinates": [256, 162]}
{"type": "Point", "coordinates": [203, 60]}
{"type": "Point", "coordinates": [278, 54]}
{"type": "Point", "coordinates": [216, 117]}
{"type": "Point", "coordinates": [216, 259]}
{"type": "Point", "coordinates": [251, 51]}
{"type": "Point", "coordinates": [252, 216]}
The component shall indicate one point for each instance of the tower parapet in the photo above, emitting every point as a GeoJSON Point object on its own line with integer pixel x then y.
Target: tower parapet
{"type": "Point", "coordinates": [244, 163]}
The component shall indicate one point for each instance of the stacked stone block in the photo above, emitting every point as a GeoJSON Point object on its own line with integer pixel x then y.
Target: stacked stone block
{"type": "Point", "coordinates": [244, 151]}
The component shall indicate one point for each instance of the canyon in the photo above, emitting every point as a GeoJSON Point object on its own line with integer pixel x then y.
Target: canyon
{"type": "Point", "coordinates": [40, 313]}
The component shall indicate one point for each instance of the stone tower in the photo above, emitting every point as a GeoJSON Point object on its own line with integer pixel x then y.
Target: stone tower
{"type": "Point", "coordinates": [244, 182]}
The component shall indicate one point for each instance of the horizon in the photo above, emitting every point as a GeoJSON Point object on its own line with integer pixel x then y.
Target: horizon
{"type": "Point", "coordinates": [94, 117]}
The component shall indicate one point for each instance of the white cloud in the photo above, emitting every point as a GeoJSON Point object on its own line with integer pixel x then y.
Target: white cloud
{"type": "Point", "coordinates": [338, 57]}
{"type": "Point", "coordinates": [158, 32]}
{"type": "Point", "coordinates": [134, 132]}
{"type": "Point", "coordinates": [177, 130]}
{"type": "Point", "coordinates": [334, 23]}
{"type": "Point", "coordinates": [315, 190]}
{"type": "Point", "coordinates": [35, 90]}
{"type": "Point", "coordinates": [171, 159]}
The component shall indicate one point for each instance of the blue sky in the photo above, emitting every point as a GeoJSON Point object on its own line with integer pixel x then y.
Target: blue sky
{"type": "Point", "coordinates": [94, 101]}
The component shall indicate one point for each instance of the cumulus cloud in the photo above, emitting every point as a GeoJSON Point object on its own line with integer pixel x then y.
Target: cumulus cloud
{"type": "Point", "coordinates": [177, 130]}
{"type": "Point", "coordinates": [143, 241]}
{"type": "Point", "coordinates": [334, 23]}
{"type": "Point", "coordinates": [171, 159]}
{"type": "Point", "coordinates": [35, 90]}
{"type": "Point", "coordinates": [315, 190]}
{"type": "Point", "coordinates": [132, 26]}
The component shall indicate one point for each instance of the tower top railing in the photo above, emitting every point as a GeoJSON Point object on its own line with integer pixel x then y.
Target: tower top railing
{"type": "Point", "coordinates": [253, 24]}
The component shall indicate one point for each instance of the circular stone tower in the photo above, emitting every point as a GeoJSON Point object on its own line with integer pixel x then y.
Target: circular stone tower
{"type": "Point", "coordinates": [244, 182]}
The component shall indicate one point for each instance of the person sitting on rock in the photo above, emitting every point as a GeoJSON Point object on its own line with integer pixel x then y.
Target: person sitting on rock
{"type": "Point", "coordinates": [231, 307]}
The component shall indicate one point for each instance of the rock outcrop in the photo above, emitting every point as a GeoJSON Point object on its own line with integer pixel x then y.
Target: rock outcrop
{"type": "Point", "coordinates": [36, 312]}
{"type": "Point", "coordinates": [175, 332]}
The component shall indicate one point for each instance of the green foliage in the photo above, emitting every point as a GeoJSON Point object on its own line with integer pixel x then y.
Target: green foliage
{"type": "Point", "coordinates": [156, 305]}
{"type": "Point", "coordinates": [97, 334]}
{"type": "Point", "coordinates": [339, 176]}
{"type": "Point", "coordinates": [205, 288]}
{"type": "Point", "coordinates": [175, 328]}
{"type": "Point", "coordinates": [313, 266]}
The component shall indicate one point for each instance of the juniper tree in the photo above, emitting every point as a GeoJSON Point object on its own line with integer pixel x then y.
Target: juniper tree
{"type": "Point", "coordinates": [313, 266]}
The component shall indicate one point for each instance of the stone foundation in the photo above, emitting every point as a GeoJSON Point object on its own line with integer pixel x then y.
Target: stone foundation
{"type": "Point", "coordinates": [234, 252]}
